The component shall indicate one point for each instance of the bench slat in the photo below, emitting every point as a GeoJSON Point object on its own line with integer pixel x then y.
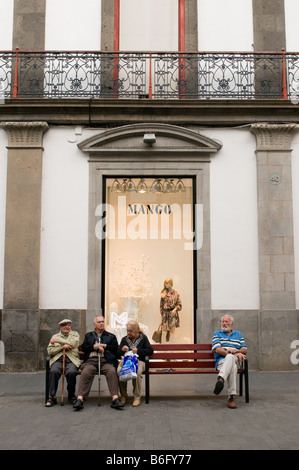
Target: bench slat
{"type": "Point", "coordinates": [183, 355]}
{"type": "Point", "coordinates": [181, 365]}
{"type": "Point", "coordinates": [183, 371]}
{"type": "Point", "coordinates": [182, 347]}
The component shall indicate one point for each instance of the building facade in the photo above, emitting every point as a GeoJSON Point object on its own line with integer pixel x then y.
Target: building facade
{"type": "Point", "coordinates": [142, 140]}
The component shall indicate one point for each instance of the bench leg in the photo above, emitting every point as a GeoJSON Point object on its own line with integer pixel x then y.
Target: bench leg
{"type": "Point", "coordinates": [146, 381]}
{"type": "Point", "coordinates": [241, 385]}
{"type": "Point", "coordinates": [246, 383]}
{"type": "Point", "coordinates": [47, 381]}
{"type": "Point", "coordinates": [146, 388]}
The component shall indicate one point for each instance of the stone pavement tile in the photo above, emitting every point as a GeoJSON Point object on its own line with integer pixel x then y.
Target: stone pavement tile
{"type": "Point", "coordinates": [173, 420]}
{"type": "Point", "coordinates": [167, 424]}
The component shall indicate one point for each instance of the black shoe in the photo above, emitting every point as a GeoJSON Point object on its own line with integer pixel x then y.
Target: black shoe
{"type": "Point", "coordinates": [219, 386]}
{"type": "Point", "coordinates": [51, 402]}
{"type": "Point", "coordinates": [78, 405]}
{"type": "Point", "coordinates": [117, 404]}
{"type": "Point", "coordinates": [72, 399]}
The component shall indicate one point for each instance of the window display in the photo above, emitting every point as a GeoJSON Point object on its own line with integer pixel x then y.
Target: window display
{"type": "Point", "coordinates": [149, 271]}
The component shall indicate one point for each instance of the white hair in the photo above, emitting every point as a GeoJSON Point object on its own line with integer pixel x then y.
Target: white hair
{"type": "Point", "coordinates": [232, 318]}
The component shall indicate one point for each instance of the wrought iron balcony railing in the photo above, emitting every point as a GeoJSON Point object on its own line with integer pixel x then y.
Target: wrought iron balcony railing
{"type": "Point", "coordinates": [164, 75]}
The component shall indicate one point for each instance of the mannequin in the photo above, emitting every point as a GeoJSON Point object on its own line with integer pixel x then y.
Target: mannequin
{"type": "Point", "coordinates": [170, 305]}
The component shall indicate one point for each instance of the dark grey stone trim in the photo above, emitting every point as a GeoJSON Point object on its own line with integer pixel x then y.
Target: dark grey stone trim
{"type": "Point", "coordinates": [29, 24]}
{"type": "Point", "coordinates": [268, 25]}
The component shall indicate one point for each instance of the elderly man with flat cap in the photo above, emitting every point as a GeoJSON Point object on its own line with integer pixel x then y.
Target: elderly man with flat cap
{"type": "Point", "coordinates": [67, 340]}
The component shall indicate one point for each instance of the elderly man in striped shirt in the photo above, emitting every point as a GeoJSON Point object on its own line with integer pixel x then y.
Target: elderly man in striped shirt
{"type": "Point", "coordinates": [229, 349]}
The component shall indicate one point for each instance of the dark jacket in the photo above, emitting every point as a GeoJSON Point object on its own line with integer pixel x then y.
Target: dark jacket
{"type": "Point", "coordinates": [107, 338]}
{"type": "Point", "coordinates": [143, 348]}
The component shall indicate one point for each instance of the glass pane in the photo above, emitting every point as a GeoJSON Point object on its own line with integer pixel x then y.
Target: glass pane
{"type": "Point", "coordinates": [148, 231]}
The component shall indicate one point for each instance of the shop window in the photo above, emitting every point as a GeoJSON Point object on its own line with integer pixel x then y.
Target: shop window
{"type": "Point", "coordinates": [147, 229]}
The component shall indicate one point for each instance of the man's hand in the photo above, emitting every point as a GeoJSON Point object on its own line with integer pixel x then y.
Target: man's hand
{"type": "Point", "coordinates": [99, 347]}
{"type": "Point", "coordinates": [240, 355]}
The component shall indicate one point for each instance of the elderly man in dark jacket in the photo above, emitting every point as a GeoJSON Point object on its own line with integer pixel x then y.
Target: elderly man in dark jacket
{"type": "Point", "coordinates": [104, 344]}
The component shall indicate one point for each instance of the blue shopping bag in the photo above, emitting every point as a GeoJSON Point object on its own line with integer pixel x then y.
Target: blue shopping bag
{"type": "Point", "coordinates": [129, 368]}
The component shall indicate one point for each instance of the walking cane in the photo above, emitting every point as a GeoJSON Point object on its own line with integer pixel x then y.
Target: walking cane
{"type": "Point", "coordinates": [63, 366]}
{"type": "Point", "coordinates": [99, 365]}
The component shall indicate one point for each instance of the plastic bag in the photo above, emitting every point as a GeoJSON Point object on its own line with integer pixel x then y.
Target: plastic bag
{"type": "Point", "coordinates": [129, 368]}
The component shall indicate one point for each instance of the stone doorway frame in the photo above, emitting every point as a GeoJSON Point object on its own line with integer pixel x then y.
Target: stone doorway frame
{"type": "Point", "coordinates": [177, 151]}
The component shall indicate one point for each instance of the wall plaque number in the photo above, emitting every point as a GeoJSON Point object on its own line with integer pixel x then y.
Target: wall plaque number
{"type": "Point", "coordinates": [274, 178]}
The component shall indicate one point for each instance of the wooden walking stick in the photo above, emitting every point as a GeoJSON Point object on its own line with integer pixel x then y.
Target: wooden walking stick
{"type": "Point", "coordinates": [99, 363]}
{"type": "Point", "coordinates": [63, 367]}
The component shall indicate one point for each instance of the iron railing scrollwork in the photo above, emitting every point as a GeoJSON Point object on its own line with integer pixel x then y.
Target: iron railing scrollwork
{"type": "Point", "coordinates": [164, 75]}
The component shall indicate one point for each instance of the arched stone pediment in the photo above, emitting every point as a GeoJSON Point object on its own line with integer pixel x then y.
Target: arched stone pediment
{"type": "Point", "coordinates": [129, 139]}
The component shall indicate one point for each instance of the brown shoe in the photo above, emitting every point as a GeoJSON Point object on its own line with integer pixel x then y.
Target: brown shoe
{"type": "Point", "coordinates": [136, 402]}
{"type": "Point", "coordinates": [231, 402]}
{"type": "Point", "coordinates": [123, 400]}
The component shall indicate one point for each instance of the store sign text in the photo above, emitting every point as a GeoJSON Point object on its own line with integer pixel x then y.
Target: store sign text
{"type": "Point", "coordinates": [151, 222]}
{"type": "Point", "coordinates": [134, 209]}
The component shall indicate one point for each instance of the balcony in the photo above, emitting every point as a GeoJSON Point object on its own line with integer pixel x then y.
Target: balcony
{"type": "Point", "coordinates": [151, 75]}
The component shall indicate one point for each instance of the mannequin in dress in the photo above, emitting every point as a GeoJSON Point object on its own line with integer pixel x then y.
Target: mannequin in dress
{"type": "Point", "coordinates": [170, 305]}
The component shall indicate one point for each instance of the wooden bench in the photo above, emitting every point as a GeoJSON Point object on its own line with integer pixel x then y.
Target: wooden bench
{"type": "Point", "coordinates": [174, 359]}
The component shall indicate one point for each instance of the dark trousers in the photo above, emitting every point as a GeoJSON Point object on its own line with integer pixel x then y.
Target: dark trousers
{"type": "Point", "coordinates": [89, 369]}
{"type": "Point", "coordinates": [70, 372]}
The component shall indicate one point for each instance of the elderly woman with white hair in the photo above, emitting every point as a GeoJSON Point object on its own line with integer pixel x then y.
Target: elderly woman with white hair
{"type": "Point", "coordinates": [137, 342]}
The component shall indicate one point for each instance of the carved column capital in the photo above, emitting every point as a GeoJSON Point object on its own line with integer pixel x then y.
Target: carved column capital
{"type": "Point", "coordinates": [273, 136]}
{"type": "Point", "coordinates": [25, 134]}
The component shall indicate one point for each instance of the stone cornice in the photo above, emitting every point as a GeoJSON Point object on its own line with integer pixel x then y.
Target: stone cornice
{"type": "Point", "coordinates": [273, 136]}
{"type": "Point", "coordinates": [110, 113]}
{"type": "Point", "coordinates": [25, 134]}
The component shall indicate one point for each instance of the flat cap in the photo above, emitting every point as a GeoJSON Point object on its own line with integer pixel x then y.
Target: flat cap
{"type": "Point", "coordinates": [66, 320]}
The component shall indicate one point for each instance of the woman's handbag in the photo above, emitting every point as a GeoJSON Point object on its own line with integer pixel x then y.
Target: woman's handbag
{"type": "Point", "coordinates": [157, 335]}
{"type": "Point", "coordinates": [129, 368]}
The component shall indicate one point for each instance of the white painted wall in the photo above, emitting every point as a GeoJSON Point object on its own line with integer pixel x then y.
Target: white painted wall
{"type": "Point", "coordinates": [149, 25]}
{"type": "Point", "coordinates": [64, 222]}
{"type": "Point", "coordinates": [3, 173]}
{"type": "Point", "coordinates": [71, 26]}
{"type": "Point", "coordinates": [234, 236]}
{"type": "Point", "coordinates": [6, 24]}
{"type": "Point", "coordinates": [225, 25]}
{"type": "Point", "coordinates": [291, 20]}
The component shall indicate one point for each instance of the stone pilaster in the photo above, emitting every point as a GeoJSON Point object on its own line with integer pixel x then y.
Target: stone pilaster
{"type": "Point", "coordinates": [29, 35]}
{"type": "Point", "coordinates": [191, 26]}
{"type": "Point", "coordinates": [29, 24]}
{"type": "Point", "coordinates": [268, 25]}
{"type": "Point", "coordinates": [268, 35]}
{"type": "Point", "coordinates": [278, 319]}
{"type": "Point", "coordinates": [20, 318]}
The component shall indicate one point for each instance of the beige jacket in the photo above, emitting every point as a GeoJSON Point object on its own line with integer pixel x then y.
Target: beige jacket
{"type": "Point", "coordinates": [55, 351]}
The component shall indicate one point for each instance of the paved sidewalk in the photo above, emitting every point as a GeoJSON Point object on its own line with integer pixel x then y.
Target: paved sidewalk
{"type": "Point", "coordinates": [183, 415]}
